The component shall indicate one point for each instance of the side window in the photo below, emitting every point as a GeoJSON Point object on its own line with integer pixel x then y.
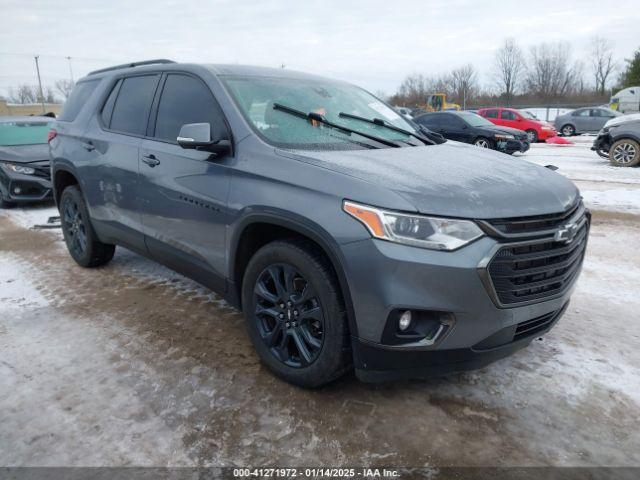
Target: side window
{"type": "Point", "coordinates": [507, 115]}
{"type": "Point", "coordinates": [581, 113]}
{"type": "Point", "coordinates": [186, 99]}
{"type": "Point", "coordinates": [107, 109]}
{"type": "Point", "coordinates": [428, 120]}
{"type": "Point", "coordinates": [491, 114]}
{"type": "Point", "coordinates": [131, 108]}
{"type": "Point", "coordinates": [77, 99]}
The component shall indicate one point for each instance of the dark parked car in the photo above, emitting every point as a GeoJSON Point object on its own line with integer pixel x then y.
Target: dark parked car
{"type": "Point", "coordinates": [584, 120]}
{"type": "Point", "coordinates": [469, 127]}
{"type": "Point", "coordinates": [346, 237]}
{"type": "Point", "coordinates": [24, 160]}
{"type": "Point", "coordinates": [620, 143]}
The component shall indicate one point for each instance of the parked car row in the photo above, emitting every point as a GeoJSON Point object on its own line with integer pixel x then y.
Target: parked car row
{"type": "Point", "coordinates": [469, 127]}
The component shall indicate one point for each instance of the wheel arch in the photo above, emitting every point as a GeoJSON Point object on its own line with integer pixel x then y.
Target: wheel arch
{"type": "Point", "coordinates": [62, 178]}
{"type": "Point", "coordinates": [259, 229]}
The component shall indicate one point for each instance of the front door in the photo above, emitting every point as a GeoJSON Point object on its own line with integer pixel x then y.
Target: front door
{"type": "Point", "coordinates": [183, 193]}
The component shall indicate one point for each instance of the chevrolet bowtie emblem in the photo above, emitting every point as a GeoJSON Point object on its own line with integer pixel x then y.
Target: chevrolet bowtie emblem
{"type": "Point", "coordinates": [566, 233]}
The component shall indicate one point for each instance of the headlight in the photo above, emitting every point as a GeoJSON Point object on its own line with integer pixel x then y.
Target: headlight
{"type": "Point", "coordinates": [419, 231]}
{"type": "Point", "coordinates": [501, 136]}
{"type": "Point", "coordinates": [20, 169]}
{"type": "Point", "coordinates": [545, 127]}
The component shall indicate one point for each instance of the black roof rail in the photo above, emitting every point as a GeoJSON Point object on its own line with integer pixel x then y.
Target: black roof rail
{"type": "Point", "coordinates": [132, 64]}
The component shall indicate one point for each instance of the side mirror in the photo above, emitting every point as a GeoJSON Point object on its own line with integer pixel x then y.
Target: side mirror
{"type": "Point", "coordinates": [197, 136]}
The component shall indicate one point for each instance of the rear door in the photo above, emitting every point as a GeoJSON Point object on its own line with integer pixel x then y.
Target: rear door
{"type": "Point", "coordinates": [582, 120]}
{"type": "Point", "coordinates": [112, 173]}
{"type": "Point", "coordinates": [183, 193]}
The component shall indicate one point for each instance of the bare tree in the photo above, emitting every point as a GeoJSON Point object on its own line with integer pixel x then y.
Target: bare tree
{"type": "Point", "coordinates": [549, 73]}
{"type": "Point", "coordinates": [464, 83]}
{"type": "Point", "coordinates": [412, 90]}
{"type": "Point", "coordinates": [509, 68]}
{"type": "Point", "coordinates": [601, 55]}
{"type": "Point", "coordinates": [64, 86]}
{"type": "Point", "coordinates": [49, 96]}
{"type": "Point", "coordinates": [24, 94]}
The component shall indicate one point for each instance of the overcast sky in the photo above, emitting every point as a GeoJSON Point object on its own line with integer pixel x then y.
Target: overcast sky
{"type": "Point", "coordinates": [371, 43]}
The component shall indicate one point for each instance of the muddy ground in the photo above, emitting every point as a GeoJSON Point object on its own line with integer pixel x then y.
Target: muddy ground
{"type": "Point", "coordinates": [131, 364]}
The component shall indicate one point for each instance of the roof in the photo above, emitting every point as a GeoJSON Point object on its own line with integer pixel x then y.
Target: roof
{"type": "Point", "coordinates": [216, 69]}
{"type": "Point", "coordinates": [25, 118]}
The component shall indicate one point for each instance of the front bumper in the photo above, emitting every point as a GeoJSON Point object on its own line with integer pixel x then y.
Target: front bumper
{"type": "Point", "coordinates": [602, 143]}
{"type": "Point", "coordinates": [544, 134]}
{"type": "Point", "coordinates": [385, 277]}
{"type": "Point", "coordinates": [512, 146]}
{"type": "Point", "coordinates": [20, 188]}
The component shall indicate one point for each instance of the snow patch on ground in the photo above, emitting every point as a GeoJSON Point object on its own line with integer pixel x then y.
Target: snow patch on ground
{"type": "Point", "coordinates": [29, 215]}
{"type": "Point", "coordinates": [16, 289]}
{"type": "Point", "coordinates": [617, 200]}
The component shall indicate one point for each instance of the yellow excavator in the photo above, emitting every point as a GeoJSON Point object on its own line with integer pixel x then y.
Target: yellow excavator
{"type": "Point", "coordinates": [437, 102]}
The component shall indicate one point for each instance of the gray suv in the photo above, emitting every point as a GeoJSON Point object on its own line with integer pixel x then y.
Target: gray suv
{"type": "Point", "coordinates": [349, 237]}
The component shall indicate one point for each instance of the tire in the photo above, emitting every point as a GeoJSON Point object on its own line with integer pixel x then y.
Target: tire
{"type": "Point", "coordinates": [315, 318]}
{"type": "Point", "coordinates": [625, 153]}
{"type": "Point", "coordinates": [532, 135]}
{"type": "Point", "coordinates": [4, 203]}
{"type": "Point", "coordinates": [483, 142]}
{"type": "Point", "coordinates": [568, 130]}
{"type": "Point", "coordinates": [79, 235]}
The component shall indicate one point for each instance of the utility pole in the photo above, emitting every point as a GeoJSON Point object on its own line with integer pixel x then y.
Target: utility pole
{"type": "Point", "coordinates": [70, 71]}
{"type": "Point", "coordinates": [40, 84]}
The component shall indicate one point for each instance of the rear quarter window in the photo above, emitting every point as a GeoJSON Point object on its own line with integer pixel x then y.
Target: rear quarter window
{"type": "Point", "coordinates": [78, 98]}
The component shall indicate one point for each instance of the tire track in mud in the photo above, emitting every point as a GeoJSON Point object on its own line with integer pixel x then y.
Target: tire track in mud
{"type": "Point", "coordinates": [186, 355]}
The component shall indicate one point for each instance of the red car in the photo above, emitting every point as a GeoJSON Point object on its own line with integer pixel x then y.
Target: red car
{"type": "Point", "coordinates": [520, 119]}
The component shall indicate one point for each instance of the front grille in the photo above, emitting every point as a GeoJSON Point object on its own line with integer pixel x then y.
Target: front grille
{"type": "Point", "coordinates": [536, 270]}
{"type": "Point", "coordinates": [526, 225]}
{"type": "Point", "coordinates": [535, 325]}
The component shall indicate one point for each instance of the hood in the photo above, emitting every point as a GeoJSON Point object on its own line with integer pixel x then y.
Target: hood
{"type": "Point", "coordinates": [454, 179]}
{"type": "Point", "coordinates": [25, 153]}
{"type": "Point", "coordinates": [622, 119]}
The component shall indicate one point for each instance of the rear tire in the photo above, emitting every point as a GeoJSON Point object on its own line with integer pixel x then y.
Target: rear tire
{"type": "Point", "coordinates": [4, 203]}
{"type": "Point", "coordinates": [79, 235]}
{"type": "Point", "coordinates": [532, 136]}
{"type": "Point", "coordinates": [625, 153]}
{"type": "Point", "coordinates": [568, 130]}
{"type": "Point", "coordinates": [306, 342]}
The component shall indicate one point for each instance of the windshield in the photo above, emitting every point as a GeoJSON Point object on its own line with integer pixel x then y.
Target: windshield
{"type": "Point", "coordinates": [527, 114]}
{"type": "Point", "coordinates": [474, 119]}
{"type": "Point", "coordinates": [23, 133]}
{"type": "Point", "coordinates": [256, 96]}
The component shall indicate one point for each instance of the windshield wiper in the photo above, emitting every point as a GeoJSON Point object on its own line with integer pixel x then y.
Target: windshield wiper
{"type": "Point", "coordinates": [321, 119]}
{"type": "Point", "coordinates": [381, 123]}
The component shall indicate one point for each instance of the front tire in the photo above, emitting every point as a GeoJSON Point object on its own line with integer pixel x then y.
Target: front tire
{"type": "Point", "coordinates": [568, 130]}
{"type": "Point", "coordinates": [625, 153]}
{"type": "Point", "coordinates": [482, 142]}
{"type": "Point", "coordinates": [532, 136]}
{"type": "Point", "coordinates": [295, 314]}
{"type": "Point", "coordinates": [79, 235]}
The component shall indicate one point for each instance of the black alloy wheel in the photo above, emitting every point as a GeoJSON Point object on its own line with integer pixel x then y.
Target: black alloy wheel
{"type": "Point", "coordinates": [74, 226]}
{"type": "Point", "coordinates": [289, 315]}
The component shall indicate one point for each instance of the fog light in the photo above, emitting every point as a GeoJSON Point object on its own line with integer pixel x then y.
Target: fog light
{"type": "Point", "coordinates": [17, 190]}
{"type": "Point", "coordinates": [405, 321]}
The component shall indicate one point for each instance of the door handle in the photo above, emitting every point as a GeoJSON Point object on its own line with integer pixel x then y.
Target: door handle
{"type": "Point", "coordinates": [88, 146]}
{"type": "Point", "coordinates": [150, 160]}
